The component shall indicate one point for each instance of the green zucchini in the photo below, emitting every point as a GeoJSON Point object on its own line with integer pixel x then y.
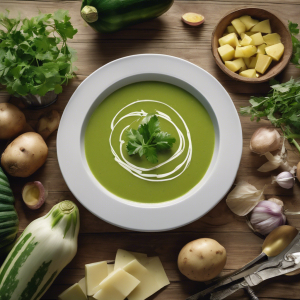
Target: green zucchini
{"type": "Point", "coordinates": [45, 247]}
{"type": "Point", "coordinates": [113, 15]}
{"type": "Point", "coordinates": [9, 222]}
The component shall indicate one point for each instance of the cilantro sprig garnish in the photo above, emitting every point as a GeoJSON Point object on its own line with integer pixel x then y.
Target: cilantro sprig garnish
{"type": "Point", "coordinates": [148, 139]}
{"type": "Point", "coordinates": [293, 27]}
{"type": "Point", "coordinates": [34, 55]}
{"type": "Point", "coordinates": [281, 106]}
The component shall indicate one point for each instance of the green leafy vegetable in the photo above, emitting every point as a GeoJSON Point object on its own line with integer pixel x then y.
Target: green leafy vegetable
{"type": "Point", "coordinates": [34, 55]}
{"type": "Point", "coordinates": [149, 139]}
{"type": "Point", "coordinates": [281, 106]}
{"type": "Point", "coordinates": [293, 27]}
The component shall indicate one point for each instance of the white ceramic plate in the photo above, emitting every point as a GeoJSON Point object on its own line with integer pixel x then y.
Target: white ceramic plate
{"type": "Point", "coordinates": [161, 216]}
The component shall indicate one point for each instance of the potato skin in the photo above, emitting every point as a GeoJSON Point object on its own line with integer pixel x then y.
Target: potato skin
{"type": "Point", "coordinates": [12, 121]}
{"type": "Point", "coordinates": [24, 155]}
{"type": "Point", "coordinates": [202, 259]}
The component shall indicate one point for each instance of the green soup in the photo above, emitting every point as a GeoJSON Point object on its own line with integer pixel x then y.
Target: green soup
{"type": "Point", "coordinates": [122, 182]}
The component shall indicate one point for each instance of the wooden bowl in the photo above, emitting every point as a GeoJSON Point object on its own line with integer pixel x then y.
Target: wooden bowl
{"type": "Point", "coordinates": [276, 25]}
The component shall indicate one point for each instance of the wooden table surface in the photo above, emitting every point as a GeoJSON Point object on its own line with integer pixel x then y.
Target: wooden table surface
{"type": "Point", "coordinates": [165, 35]}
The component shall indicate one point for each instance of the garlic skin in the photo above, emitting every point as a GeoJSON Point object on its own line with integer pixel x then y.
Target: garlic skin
{"type": "Point", "coordinates": [243, 198]}
{"type": "Point", "coordinates": [276, 161]}
{"type": "Point", "coordinates": [285, 179]}
{"type": "Point", "coordinates": [265, 139]}
{"type": "Point", "coordinates": [266, 216]}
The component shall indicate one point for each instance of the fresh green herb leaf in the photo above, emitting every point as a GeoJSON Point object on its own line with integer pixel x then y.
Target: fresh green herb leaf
{"type": "Point", "coordinates": [281, 107]}
{"type": "Point", "coordinates": [148, 139]}
{"type": "Point", "coordinates": [34, 56]}
{"type": "Point", "coordinates": [293, 28]}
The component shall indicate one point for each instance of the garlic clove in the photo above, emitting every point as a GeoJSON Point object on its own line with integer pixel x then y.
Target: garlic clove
{"type": "Point", "coordinates": [285, 179]}
{"type": "Point", "coordinates": [265, 139]}
{"type": "Point", "coordinates": [266, 216]}
{"type": "Point", "coordinates": [34, 194]}
{"type": "Point", "coordinates": [243, 198]}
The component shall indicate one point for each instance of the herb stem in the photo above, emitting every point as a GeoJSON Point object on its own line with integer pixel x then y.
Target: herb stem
{"type": "Point", "coordinates": [293, 141]}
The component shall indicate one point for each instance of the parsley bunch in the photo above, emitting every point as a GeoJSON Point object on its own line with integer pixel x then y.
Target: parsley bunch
{"type": "Point", "coordinates": [34, 55]}
{"type": "Point", "coordinates": [293, 27]}
{"type": "Point", "coordinates": [149, 139]}
{"type": "Point", "coordinates": [281, 106]}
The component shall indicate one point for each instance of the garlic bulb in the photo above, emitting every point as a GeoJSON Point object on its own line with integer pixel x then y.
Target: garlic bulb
{"type": "Point", "coordinates": [267, 215]}
{"type": "Point", "coordinates": [264, 140]}
{"type": "Point", "coordinates": [285, 179]}
{"type": "Point", "coordinates": [275, 161]}
{"type": "Point", "coordinates": [243, 198]}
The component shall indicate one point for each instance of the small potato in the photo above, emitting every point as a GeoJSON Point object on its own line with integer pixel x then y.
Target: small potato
{"type": "Point", "coordinates": [24, 155]}
{"type": "Point", "coordinates": [12, 121]}
{"type": "Point", "coordinates": [48, 123]}
{"type": "Point", "coordinates": [202, 259]}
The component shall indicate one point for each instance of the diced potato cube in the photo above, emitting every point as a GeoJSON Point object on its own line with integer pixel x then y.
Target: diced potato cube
{"type": "Point", "coordinates": [263, 62]}
{"type": "Point", "coordinates": [257, 75]}
{"type": "Point", "coordinates": [248, 21]}
{"type": "Point", "coordinates": [247, 40]}
{"type": "Point", "coordinates": [257, 39]}
{"type": "Point", "coordinates": [239, 26]}
{"type": "Point", "coordinates": [244, 67]}
{"type": "Point", "coordinates": [261, 49]}
{"type": "Point", "coordinates": [235, 65]}
{"type": "Point", "coordinates": [249, 33]}
{"type": "Point", "coordinates": [230, 39]}
{"type": "Point", "coordinates": [272, 39]}
{"type": "Point", "coordinates": [250, 73]}
{"type": "Point", "coordinates": [238, 52]}
{"type": "Point", "coordinates": [275, 51]}
{"type": "Point", "coordinates": [226, 52]}
{"type": "Point", "coordinates": [249, 50]}
{"type": "Point", "coordinates": [263, 27]}
{"type": "Point", "coordinates": [231, 29]}
{"type": "Point", "coordinates": [247, 61]}
{"type": "Point", "coordinates": [253, 62]}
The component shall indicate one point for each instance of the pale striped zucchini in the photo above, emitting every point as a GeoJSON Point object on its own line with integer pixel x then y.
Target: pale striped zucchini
{"type": "Point", "coordinates": [45, 247]}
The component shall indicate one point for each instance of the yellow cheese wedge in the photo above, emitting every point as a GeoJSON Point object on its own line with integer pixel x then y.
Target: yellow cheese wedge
{"type": "Point", "coordinates": [72, 293]}
{"type": "Point", "coordinates": [148, 284]}
{"type": "Point", "coordinates": [275, 51]}
{"type": "Point", "coordinates": [226, 52]}
{"type": "Point", "coordinates": [121, 280]}
{"type": "Point", "coordinates": [108, 293]}
{"type": "Point", "coordinates": [263, 27]}
{"type": "Point", "coordinates": [82, 285]}
{"type": "Point", "coordinates": [110, 268]}
{"type": "Point", "coordinates": [263, 62]}
{"type": "Point", "coordinates": [250, 73]}
{"type": "Point", "coordinates": [124, 257]}
{"type": "Point", "coordinates": [272, 39]}
{"type": "Point", "coordinates": [94, 274]}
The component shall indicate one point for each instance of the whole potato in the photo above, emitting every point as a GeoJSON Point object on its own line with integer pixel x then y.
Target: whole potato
{"type": "Point", "coordinates": [12, 121]}
{"type": "Point", "coordinates": [24, 155]}
{"type": "Point", "coordinates": [202, 259]}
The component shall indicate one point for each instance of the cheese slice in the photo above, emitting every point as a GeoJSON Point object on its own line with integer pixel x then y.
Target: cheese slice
{"type": "Point", "coordinates": [94, 274]}
{"type": "Point", "coordinates": [108, 293]}
{"type": "Point", "coordinates": [155, 267]}
{"type": "Point", "coordinates": [72, 293]}
{"type": "Point", "coordinates": [124, 257]}
{"type": "Point", "coordinates": [121, 281]}
{"type": "Point", "coordinates": [148, 284]}
{"type": "Point", "coordinates": [82, 285]}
